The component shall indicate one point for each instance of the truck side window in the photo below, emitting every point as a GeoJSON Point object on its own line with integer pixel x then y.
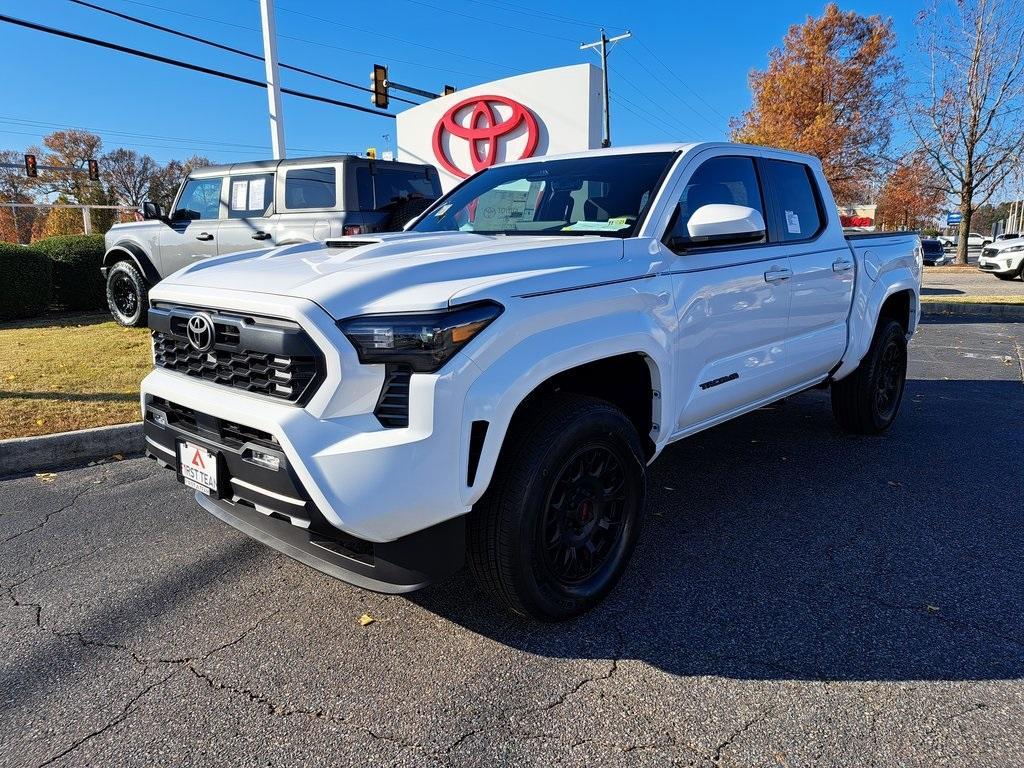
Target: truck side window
{"type": "Point", "coordinates": [730, 180]}
{"type": "Point", "coordinates": [797, 214]}
{"type": "Point", "coordinates": [199, 200]}
{"type": "Point", "coordinates": [310, 188]}
{"type": "Point", "coordinates": [250, 196]}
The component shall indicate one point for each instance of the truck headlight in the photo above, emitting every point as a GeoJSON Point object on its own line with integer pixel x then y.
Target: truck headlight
{"type": "Point", "coordinates": [425, 341]}
{"type": "Point", "coordinates": [1013, 248]}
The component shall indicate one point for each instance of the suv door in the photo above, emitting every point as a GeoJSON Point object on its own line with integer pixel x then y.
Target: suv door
{"type": "Point", "coordinates": [732, 302]}
{"type": "Point", "coordinates": [191, 233]}
{"type": "Point", "coordinates": [822, 264]}
{"type": "Point", "coordinates": [249, 223]}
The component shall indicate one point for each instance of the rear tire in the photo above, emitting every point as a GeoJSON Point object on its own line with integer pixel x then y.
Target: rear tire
{"type": "Point", "coordinates": [127, 294]}
{"type": "Point", "coordinates": [867, 401]}
{"type": "Point", "coordinates": [558, 524]}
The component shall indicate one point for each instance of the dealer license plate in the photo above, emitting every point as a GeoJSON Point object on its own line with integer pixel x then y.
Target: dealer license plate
{"type": "Point", "coordinates": [198, 467]}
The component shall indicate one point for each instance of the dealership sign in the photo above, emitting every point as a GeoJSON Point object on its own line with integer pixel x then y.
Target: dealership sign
{"type": "Point", "coordinates": [549, 112]}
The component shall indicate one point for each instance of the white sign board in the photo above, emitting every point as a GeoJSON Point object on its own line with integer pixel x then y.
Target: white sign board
{"type": "Point", "coordinates": [550, 112]}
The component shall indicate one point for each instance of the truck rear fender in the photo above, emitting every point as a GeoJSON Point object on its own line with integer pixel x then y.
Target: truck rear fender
{"type": "Point", "coordinates": [627, 344]}
{"type": "Point", "coordinates": [891, 290]}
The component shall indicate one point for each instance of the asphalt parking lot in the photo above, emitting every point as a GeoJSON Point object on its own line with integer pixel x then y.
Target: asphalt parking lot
{"type": "Point", "coordinates": [799, 597]}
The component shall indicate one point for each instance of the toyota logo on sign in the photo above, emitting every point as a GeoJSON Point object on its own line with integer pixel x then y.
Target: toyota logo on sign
{"type": "Point", "coordinates": [483, 131]}
{"type": "Point", "coordinates": [200, 332]}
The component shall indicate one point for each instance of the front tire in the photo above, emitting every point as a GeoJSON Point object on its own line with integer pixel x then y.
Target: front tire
{"type": "Point", "coordinates": [127, 295]}
{"type": "Point", "coordinates": [866, 402]}
{"type": "Point", "coordinates": [1010, 276]}
{"type": "Point", "coordinates": [559, 522]}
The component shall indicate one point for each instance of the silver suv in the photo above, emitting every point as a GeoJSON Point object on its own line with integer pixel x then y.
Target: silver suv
{"type": "Point", "coordinates": [228, 208]}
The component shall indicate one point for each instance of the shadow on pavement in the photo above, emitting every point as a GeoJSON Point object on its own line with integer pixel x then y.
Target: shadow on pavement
{"type": "Point", "coordinates": [776, 547]}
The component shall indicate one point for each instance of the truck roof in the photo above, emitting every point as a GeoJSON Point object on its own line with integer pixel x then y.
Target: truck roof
{"type": "Point", "coordinates": [690, 146]}
{"type": "Point", "coordinates": [269, 165]}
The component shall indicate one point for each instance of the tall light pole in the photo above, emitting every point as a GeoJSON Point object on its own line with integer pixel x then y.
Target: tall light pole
{"type": "Point", "coordinates": [605, 43]}
{"type": "Point", "coordinates": [273, 79]}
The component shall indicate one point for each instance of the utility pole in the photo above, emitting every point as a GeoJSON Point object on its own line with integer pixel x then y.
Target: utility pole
{"type": "Point", "coordinates": [606, 44]}
{"type": "Point", "coordinates": [273, 78]}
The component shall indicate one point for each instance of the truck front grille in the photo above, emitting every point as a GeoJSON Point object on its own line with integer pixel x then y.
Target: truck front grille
{"type": "Point", "coordinates": [264, 356]}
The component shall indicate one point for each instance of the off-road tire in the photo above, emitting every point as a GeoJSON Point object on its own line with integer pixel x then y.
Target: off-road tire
{"type": "Point", "coordinates": [510, 550]}
{"type": "Point", "coordinates": [868, 400]}
{"type": "Point", "coordinates": [127, 294]}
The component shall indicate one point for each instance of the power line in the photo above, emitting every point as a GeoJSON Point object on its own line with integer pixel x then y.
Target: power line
{"type": "Point", "coordinates": [680, 80]}
{"type": "Point", "coordinates": [668, 88]}
{"type": "Point", "coordinates": [205, 143]}
{"type": "Point", "coordinates": [228, 48]}
{"type": "Point", "coordinates": [185, 65]}
{"type": "Point", "coordinates": [301, 39]}
{"type": "Point", "coordinates": [520, 10]}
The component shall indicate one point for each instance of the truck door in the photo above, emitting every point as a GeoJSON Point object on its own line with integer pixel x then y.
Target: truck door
{"type": "Point", "coordinates": [822, 265]}
{"type": "Point", "coordinates": [191, 233]}
{"type": "Point", "coordinates": [249, 224]}
{"type": "Point", "coordinates": [732, 302]}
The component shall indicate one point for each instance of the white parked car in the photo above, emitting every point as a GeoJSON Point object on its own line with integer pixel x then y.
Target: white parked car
{"type": "Point", "coordinates": [1004, 259]}
{"type": "Point", "coordinates": [492, 383]}
{"type": "Point", "coordinates": [974, 240]}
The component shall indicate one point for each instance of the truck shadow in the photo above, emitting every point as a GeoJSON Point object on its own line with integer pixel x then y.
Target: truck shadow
{"type": "Point", "coordinates": [776, 547]}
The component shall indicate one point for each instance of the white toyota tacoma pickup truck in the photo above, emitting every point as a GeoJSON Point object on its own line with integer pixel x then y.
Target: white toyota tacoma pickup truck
{"type": "Point", "coordinates": [491, 383]}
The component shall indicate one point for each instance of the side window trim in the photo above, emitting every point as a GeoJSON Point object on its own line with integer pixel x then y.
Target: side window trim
{"type": "Point", "coordinates": [250, 213]}
{"type": "Point", "coordinates": [285, 173]}
{"type": "Point", "coordinates": [776, 211]}
{"type": "Point", "coordinates": [770, 236]}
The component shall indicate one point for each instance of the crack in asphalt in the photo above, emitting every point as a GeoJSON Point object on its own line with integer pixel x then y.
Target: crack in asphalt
{"type": "Point", "coordinates": [48, 516]}
{"type": "Point", "coordinates": [716, 755]}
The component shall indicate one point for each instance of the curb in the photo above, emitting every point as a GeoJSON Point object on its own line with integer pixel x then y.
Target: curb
{"type": "Point", "coordinates": [21, 455]}
{"type": "Point", "coordinates": [1010, 312]}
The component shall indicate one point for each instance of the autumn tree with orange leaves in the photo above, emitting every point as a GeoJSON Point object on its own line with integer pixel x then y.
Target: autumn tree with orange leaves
{"type": "Point", "coordinates": [912, 195]}
{"type": "Point", "coordinates": [828, 91]}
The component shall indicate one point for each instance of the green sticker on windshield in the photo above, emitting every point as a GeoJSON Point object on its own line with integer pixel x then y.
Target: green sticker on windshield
{"type": "Point", "coordinates": [596, 226]}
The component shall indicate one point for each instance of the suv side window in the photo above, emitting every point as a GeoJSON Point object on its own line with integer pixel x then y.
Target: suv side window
{"type": "Point", "coordinates": [387, 186]}
{"type": "Point", "coordinates": [730, 179]}
{"type": "Point", "coordinates": [796, 214]}
{"type": "Point", "coordinates": [250, 196]}
{"type": "Point", "coordinates": [200, 199]}
{"type": "Point", "coordinates": [310, 188]}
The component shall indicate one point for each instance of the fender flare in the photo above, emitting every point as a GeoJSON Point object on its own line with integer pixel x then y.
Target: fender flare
{"type": "Point", "coordinates": [496, 395]}
{"type": "Point", "coordinates": [136, 255]}
{"type": "Point", "coordinates": [866, 309]}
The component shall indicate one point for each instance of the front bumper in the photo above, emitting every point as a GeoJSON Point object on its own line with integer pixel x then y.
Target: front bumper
{"type": "Point", "coordinates": [1000, 263]}
{"type": "Point", "coordinates": [272, 506]}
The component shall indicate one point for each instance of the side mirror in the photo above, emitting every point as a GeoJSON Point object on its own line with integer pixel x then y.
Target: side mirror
{"type": "Point", "coordinates": [721, 224]}
{"type": "Point", "coordinates": [151, 210]}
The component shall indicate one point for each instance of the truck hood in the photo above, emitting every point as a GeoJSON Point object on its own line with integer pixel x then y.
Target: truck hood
{"type": "Point", "coordinates": [401, 271]}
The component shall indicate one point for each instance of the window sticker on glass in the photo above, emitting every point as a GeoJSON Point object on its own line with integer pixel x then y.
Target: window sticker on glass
{"type": "Point", "coordinates": [792, 223]}
{"type": "Point", "coordinates": [256, 188]}
{"type": "Point", "coordinates": [442, 210]}
{"type": "Point", "coordinates": [596, 226]}
{"type": "Point", "coordinates": [238, 192]}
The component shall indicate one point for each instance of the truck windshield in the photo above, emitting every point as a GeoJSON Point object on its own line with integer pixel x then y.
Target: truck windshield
{"type": "Point", "coordinates": [605, 195]}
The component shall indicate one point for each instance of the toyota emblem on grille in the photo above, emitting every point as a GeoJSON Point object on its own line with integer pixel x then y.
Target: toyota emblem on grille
{"type": "Point", "coordinates": [200, 332]}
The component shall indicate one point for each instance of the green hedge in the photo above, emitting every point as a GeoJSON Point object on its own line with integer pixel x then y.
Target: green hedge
{"type": "Point", "coordinates": [25, 287]}
{"type": "Point", "coordinates": [77, 281]}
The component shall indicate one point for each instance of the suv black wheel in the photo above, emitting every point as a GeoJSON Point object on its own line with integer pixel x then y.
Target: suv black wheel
{"type": "Point", "coordinates": [127, 294]}
{"type": "Point", "coordinates": [558, 524]}
{"type": "Point", "coordinates": [866, 402]}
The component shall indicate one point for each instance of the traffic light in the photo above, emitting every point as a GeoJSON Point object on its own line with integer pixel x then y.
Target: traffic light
{"type": "Point", "coordinates": [379, 86]}
{"type": "Point", "coordinates": [30, 166]}
{"type": "Point", "coordinates": [448, 90]}
{"type": "Point", "coordinates": [371, 153]}
{"type": "Point", "coordinates": [94, 171]}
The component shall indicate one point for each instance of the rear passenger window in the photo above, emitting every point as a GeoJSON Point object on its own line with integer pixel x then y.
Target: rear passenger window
{"type": "Point", "coordinates": [310, 188]}
{"type": "Point", "coordinates": [384, 188]}
{"type": "Point", "coordinates": [797, 215]}
{"type": "Point", "coordinates": [250, 196]}
{"type": "Point", "coordinates": [730, 180]}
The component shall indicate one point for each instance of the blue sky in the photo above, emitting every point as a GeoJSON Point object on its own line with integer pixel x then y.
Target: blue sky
{"type": "Point", "coordinates": [681, 76]}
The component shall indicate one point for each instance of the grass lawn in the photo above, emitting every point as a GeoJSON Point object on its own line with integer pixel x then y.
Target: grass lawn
{"type": "Point", "coordinates": [69, 372]}
{"type": "Point", "coordinates": [998, 299]}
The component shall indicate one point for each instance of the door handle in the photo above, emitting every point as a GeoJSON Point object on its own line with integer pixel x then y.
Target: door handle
{"type": "Point", "coordinates": [842, 265]}
{"type": "Point", "coordinates": [777, 275]}
{"type": "Point", "coordinates": [261, 236]}
{"type": "Point", "coordinates": [204, 236]}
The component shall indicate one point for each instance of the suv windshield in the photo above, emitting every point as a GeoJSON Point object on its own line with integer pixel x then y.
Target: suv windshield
{"type": "Point", "coordinates": [604, 195]}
